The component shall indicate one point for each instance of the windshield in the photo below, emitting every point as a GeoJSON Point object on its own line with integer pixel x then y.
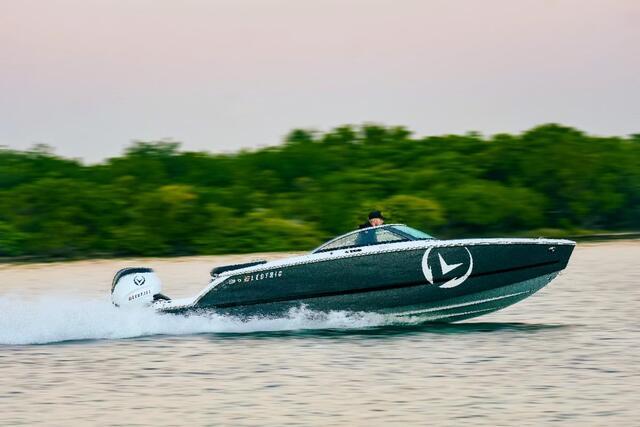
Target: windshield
{"type": "Point", "coordinates": [374, 236]}
{"type": "Point", "coordinates": [415, 234]}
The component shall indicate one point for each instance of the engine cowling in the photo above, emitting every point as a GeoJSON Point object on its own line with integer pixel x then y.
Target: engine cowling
{"type": "Point", "coordinates": [135, 286]}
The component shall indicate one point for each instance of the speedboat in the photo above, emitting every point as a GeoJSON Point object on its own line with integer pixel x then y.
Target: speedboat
{"type": "Point", "coordinates": [389, 269]}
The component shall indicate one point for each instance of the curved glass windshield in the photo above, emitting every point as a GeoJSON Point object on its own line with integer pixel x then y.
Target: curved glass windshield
{"type": "Point", "coordinates": [374, 236]}
{"type": "Point", "coordinates": [365, 237]}
{"type": "Point", "coordinates": [415, 234]}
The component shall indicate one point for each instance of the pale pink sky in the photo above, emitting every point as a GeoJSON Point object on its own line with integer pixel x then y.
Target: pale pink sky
{"type": "Point", "coordinates": [89, 76]}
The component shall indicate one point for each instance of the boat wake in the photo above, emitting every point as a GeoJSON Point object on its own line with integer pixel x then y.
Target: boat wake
{"type": "Point", "coordinates": [57, 318]}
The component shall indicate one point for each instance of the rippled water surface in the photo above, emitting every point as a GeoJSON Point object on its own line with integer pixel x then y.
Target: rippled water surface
{"type": "Point", "coordinates": [569, 355]}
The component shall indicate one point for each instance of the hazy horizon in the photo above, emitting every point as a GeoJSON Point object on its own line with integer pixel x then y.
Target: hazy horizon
{"type": "Point", "coordinates": [88, 77]}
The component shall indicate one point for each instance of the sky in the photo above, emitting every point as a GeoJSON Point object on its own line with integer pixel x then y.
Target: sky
{"type": "Point", "coordinates": [90, 76]}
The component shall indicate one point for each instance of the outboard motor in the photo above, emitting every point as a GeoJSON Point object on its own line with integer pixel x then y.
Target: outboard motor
{"type": "Point", "coordinates": [136, 286]}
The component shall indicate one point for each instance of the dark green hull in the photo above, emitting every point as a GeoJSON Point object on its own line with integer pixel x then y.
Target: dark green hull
{"type": "Point", "coordinates": [441, 281]}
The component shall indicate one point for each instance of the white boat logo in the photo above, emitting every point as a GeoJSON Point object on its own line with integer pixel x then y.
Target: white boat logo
{"type": "Point", "coordinates": [138, 280]}
{"type": "Point", "coordinates": [446, 268]}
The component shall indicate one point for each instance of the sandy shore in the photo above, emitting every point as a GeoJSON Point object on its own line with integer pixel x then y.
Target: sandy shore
{"type": "Point", "coordinates": [181, 276]}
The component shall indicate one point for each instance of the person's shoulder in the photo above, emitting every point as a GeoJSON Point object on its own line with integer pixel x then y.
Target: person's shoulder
{"type": "Point", "coordinates": [364, 225]}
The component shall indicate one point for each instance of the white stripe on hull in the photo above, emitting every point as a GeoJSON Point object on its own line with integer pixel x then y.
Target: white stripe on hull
{"type": "Point", "coordinates": [465, 313]}
{"type": "Point", "coordinates": [464, 304]}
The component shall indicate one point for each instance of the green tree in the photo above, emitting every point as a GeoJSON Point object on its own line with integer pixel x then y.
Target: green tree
{"type": "Point", "coordinates": [413, 211]}
{"type": "Point", "coordinates": [158, 200]}
{"type": "Point", "coordinates": [11, 240]}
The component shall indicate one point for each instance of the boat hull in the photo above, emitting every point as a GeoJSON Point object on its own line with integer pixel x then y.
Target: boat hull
{"type": "Point", "coordinates": [440, 281]}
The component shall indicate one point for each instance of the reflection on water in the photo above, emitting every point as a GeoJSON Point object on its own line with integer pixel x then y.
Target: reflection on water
{"type": "Point", "coordinates": [568, 355]}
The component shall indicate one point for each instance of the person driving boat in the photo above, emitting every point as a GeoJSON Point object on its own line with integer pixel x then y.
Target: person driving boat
{"type": "Point", "coordinates": [375, 219]}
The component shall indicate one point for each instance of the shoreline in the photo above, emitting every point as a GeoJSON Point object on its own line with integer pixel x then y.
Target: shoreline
{"type": "Point", "coordinates": [596, 239]}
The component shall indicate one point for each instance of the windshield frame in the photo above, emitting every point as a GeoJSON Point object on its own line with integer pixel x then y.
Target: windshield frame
{"type": "Point", "coordinates": [391, 227]}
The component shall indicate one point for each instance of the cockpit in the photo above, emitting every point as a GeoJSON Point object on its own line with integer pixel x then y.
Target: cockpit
{"type": "Point", "coordinates": [392, 233]}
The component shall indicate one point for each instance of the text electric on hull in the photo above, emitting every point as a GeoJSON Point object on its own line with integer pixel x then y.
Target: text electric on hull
{"type": "Point", "coordinates": [387, 269]}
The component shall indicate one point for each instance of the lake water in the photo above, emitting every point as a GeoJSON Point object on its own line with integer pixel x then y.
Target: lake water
{"type": "Point", "coordinates": [569, 355]}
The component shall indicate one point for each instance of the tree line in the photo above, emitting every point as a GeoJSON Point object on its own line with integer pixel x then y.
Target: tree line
{"type": "Point", "coordinates": [157, 200]}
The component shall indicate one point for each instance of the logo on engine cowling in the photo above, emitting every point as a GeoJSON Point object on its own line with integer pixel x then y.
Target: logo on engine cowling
{"type": "Point", "coordinates": [446, 267]}
{"type": "Point", "coordinates": [138, 280]}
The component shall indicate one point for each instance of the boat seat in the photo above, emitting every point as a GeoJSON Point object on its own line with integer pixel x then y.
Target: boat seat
{"type": "Point", "coordinates": [223, 268]}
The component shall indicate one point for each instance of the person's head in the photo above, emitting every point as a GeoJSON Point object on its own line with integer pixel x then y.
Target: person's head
{"type": "Point", "coordinates": [376, 218]}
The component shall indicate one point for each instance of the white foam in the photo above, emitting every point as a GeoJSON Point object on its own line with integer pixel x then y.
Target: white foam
{"type": "Point", "coordinates": [56, 318]}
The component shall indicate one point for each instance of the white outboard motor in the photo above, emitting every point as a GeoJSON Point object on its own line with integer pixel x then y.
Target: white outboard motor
{"type": "Point", "coordinates": [136, 286]}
